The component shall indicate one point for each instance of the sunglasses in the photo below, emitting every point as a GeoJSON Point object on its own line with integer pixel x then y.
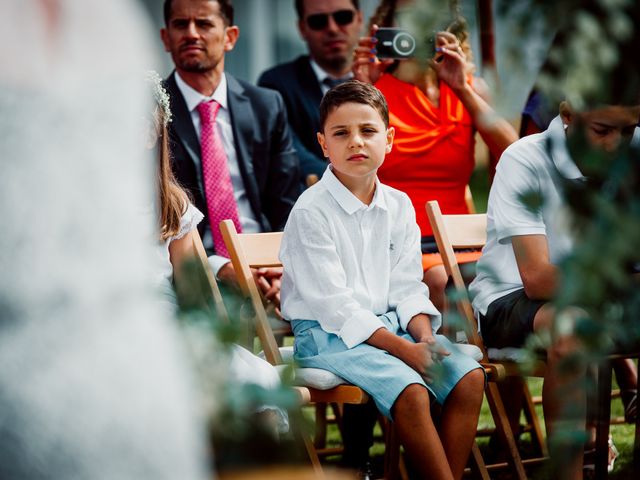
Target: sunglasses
{"type": "Point", "coordinates": [319, 21]}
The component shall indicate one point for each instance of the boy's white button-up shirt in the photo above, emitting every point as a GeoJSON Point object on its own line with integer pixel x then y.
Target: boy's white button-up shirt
{"type": "Point", "coordinates": [345, 262]}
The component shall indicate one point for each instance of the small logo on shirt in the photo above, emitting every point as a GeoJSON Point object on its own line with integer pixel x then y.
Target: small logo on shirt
{"type": "Point", "coordinates": [391, 247]}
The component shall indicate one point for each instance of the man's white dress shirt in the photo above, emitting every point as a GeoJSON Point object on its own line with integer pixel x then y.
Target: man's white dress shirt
{"type": "Point", "coordinates": [322, 75]}
{"type": "Point", "coordinates": [345, 262]}
{"type": "Point", "coordinates": [223, 124]}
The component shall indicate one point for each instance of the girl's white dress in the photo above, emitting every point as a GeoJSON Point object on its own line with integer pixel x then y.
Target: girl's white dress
{"type": "Point", "coordinates": [244, 366]}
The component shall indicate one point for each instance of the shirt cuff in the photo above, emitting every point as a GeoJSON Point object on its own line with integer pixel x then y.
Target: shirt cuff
{"type": "Point", "coordinates": [359, 328]}
{"type": "Point", "coordinates": [415, 304]}
{"type": "Point", "coordinates": [217, 262]}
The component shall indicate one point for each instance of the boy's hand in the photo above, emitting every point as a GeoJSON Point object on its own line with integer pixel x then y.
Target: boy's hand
{"type": "Point", "coordinates": [367, 67]}
{"type": "Point", "coordinates": [422, 357]}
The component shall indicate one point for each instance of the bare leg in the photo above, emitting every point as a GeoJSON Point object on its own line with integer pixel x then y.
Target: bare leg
{"type": "Point", "coordinates": [627, 377]}
{"type": "Point", "coordinates": [559, 391]}
{"type": "Point", "coordinates": [418, 434]}
{"type": "Point", "coordinates": [460, 420]}
{"type": "Point", "coordinates": [436, 279]}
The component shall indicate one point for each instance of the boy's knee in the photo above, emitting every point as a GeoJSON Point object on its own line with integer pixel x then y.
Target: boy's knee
{"type": "Point", "coordinates": [476, 377]}
{"type": "Point", "coordinates": [415, 396]}
{"type": "Point", "coordinates": [473, 382]}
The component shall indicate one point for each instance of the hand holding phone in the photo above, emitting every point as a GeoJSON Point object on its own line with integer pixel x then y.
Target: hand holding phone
{"type": "Point", "coordinates": [394, 43]}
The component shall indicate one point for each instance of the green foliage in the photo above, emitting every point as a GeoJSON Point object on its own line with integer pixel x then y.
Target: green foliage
{"type": "Point", "coordinates": [594, 39]}
{"type": "Point", "coordinates": [242, 432]}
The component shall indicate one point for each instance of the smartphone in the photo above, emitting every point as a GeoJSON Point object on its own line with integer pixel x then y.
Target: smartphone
{"type": "Point", "coordinates": [395, 43]}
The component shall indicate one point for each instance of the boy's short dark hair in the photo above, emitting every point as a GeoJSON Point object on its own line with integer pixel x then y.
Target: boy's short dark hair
{"type": "Point", "coordinates": [226, 11]}
{"type": "Point", "coordinates": [353, 91]}
{"type": "Point", "coordinates": [300, 7]}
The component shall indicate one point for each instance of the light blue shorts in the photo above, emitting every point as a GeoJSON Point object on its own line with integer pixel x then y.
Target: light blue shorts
{"type": "Point", "coordinates": [377, 372]}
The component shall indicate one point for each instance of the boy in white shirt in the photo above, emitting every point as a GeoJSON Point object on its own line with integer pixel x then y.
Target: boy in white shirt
{"type": "Point", "coordinates": [352, 290]}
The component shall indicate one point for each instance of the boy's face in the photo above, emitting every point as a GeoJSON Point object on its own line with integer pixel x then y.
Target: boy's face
{"type": "Point", "coordinates": [605, 128]}
{"type": "Point", "coordinates": [355, 140]}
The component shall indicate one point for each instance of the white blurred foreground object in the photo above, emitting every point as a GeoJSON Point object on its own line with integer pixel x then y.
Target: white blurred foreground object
{"type": "Point", "coordinates": [93, 382]}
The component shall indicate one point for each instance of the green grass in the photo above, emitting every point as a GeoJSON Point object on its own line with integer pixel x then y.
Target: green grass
{"type": "Point", "coordinates": [623, 436]}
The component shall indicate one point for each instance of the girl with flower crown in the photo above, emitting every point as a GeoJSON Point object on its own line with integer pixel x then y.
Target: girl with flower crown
{"type": "Point", "coordinates": [178, 220]}
{"type": "Point", "coordinates": [177, 217]}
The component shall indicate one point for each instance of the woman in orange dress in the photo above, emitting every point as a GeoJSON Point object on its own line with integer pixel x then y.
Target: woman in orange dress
{"type": "Point", "coordinates": [435, 107]}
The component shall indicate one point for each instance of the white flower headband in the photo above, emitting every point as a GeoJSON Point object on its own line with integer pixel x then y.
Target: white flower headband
{"type": "Point", "coordinates": [160, 95]}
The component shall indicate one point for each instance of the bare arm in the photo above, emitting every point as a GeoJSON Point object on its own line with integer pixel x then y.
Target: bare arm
{"type": "Point", "coordinates": [497, 133]}
{"type": "Point", "coordinates": [179, 251]}
{"type": "Point", "coordinates": [539, 276]}
{"type": "Point", "coordinates": [451, 67]}
{"type": "Point", "coordinates": [419, 327]}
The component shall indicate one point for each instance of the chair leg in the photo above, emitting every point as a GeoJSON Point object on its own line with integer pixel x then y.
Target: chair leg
{"type": "Point", "coordinates": [477, 465]}
{"type": "Point", "coordinates": [313, 454]}
{"type": "Point", "coordinates": [504, 430]}
{"type": "Point", "coordinates": [534, 421]}
{"type": "Point", "coordinates": [391, 452]}
{"type": "Point", "coordinates": [320, 439]}
{"type": "Point", "coordinates": [338, 409]}
{"type": "Point", "coordinates": [602, 419]}
{"type": "Point", "coordinates": [299, 434]}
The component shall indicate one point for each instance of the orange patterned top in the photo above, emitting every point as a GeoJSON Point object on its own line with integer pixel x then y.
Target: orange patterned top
{"type": "Point", "coordinates": [433, 150]}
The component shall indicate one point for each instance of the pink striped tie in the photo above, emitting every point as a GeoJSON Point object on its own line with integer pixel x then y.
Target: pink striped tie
{"type": "Point", "coordinates": [218, 188]}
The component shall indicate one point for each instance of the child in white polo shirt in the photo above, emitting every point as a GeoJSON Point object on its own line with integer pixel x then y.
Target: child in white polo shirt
{"type": "Point", "coordinates": [352, 290]}
{"type": "Point", "coordinates": [518, 273]}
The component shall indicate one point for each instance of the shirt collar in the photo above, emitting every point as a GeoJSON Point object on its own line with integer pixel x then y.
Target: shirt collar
{"type": "Point", "coordinates": [322, 75]}
{"type": "Point", "coordinates": [193, 98]}
{"type": "Point", "coordinates": [560, 155]}
{"type": "Point", "coordinates": [347, 200]}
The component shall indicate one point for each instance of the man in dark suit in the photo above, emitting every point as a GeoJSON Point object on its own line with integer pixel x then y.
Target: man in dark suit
{"type": "Point", "coordinates": [230, 141]}
{"type": "Point", "coordinates": [331, 29]}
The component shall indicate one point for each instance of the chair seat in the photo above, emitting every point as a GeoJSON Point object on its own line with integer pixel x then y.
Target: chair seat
{"type": "Point", "coordinates": [507, 354]}
{"type": "Point", "coordinates": [470, 350]}
{"type": "Point", "coordinates": [308, 377]}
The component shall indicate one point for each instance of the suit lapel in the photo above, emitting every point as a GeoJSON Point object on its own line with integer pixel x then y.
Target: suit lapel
{"type": "Point", "coordinates": [183, 125]}
{"type": "Point", "coordinates": [243, 124]}
{"type": "Point", "coordinates": [310, 85]}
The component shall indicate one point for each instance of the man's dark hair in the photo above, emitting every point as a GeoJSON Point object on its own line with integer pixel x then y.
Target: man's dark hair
{"type": "Point", "coordinates": [300, 7]}
{"type": "Point", "coordinates": [226, 11]}
{"type": "Point", "coordinates": [353, 91]}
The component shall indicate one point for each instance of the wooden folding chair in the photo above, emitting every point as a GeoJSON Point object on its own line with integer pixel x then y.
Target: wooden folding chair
{"type": "Point", "coordinates": [249, 251]}
{"type": "Point", "coordinates": [469, 231]}
{"type": "Point", "coordinates": [603, 416]}
{"type": "Point", "coordinates": [303, 394]}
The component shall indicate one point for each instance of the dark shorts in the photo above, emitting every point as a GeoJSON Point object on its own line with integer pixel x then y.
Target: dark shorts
{"type": "Point", "coordinates": [509, 320]}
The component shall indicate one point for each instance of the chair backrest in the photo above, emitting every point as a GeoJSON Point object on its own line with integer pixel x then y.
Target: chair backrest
{"type": "Point", "coordinates": [459, 231]}
{"type": "Point", "coordinates": [211, 279]}
{"type": "Point", "coordinates": [254, 250]}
